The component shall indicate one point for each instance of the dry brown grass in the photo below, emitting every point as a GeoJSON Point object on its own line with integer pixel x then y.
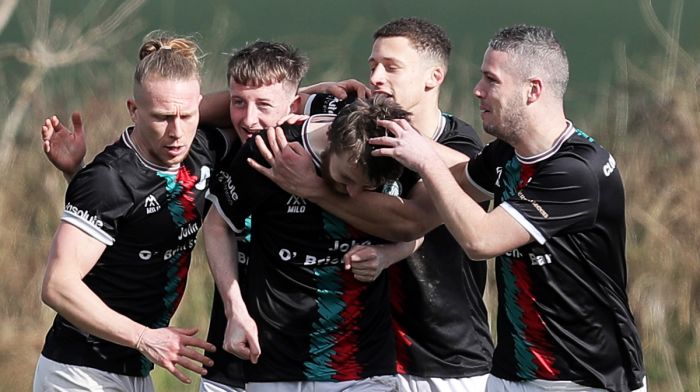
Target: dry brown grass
{"type": "Point", "coordinates": [649, 118]}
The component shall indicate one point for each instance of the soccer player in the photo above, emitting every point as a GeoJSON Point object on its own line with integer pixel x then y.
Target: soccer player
{"type": "Point", "coordinates": [317, 326]}
{"type": "Point", "coordinates": [113, 283]}
{"type": "Point", "coordinates": [263, 81]}
{"type": "Point", "coordinates": [440, 320]}
{"type": "Point", "coordinates": [557, 231]}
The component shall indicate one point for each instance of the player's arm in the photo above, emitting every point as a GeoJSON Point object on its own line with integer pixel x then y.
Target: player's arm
{"type": "Point", "coordinates": [340, 90]}
{"type": "Point", "coordinates": [389, 217]}
{"type": "Point", "coordinates": [368, 261]}
{"type": "Point", "coordinates": [241, 336]}
{"type": "Point", "coordinates": [214, 109]}
{"type": "Point", "coordinates": [481, 234]}
{"type": "Point", "coordinates": [64, 148]}
{"type": "Point", "coordinates": [73, 254]}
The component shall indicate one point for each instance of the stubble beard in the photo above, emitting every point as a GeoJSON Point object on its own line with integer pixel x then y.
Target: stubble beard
{"type": "Point", "coordinates": [512, 124]}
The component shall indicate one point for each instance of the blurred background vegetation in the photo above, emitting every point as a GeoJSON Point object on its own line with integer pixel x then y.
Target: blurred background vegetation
{"type": "Point", "coordinates": [634, 86]}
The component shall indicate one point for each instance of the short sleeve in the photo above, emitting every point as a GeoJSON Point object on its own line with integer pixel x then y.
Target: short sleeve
{"type": "Point", "coordinates": [562, 196]}
{"type": "Point", "coordinates": [483, 170]}
{"type": "Point", "coordinates": [95, 200]}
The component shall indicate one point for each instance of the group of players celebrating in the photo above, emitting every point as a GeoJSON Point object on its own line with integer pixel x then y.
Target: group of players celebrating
{"type": "Point", "coordinates": [346, 228]}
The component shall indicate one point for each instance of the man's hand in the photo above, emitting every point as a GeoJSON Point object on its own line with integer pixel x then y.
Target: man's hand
{"type": "Point", "coordinates": [291, 166]}
{"type": "Point", "coordinates": [241, 338]}
{"type": "Point", "coordinates": [366, 262]}
{"type": "Point", "coordinates": [170, 346]}
{"type": "Point", "coordinates": [64, 148]}
{"type": "Point", "coordinates": [407, 145]}
{"type": "Point", "coordinates": [292, 118]}
{"type": "Point", "coordinates": [339, 90]}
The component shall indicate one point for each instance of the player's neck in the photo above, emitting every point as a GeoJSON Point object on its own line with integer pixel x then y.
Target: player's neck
{"type": "Point", "coordinates": [427, 120]}
{"type": "Point", "coordinates": [542, 135]}
{"type": "Point", "coordinates": [317, 135]}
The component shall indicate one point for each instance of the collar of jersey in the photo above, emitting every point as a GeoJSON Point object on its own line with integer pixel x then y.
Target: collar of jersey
{"type": "Point", "coordinates": [568, 132]}
{"type": "Point", "coordinates": [318, 118]}
{"type": "Point", "coordinates": [440, 127]}
{"type": "Point", "coordinates": [126, 137]}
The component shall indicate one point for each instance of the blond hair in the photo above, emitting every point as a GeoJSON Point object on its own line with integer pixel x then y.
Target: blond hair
{"type": "Point", "coordinates": [166, 56]}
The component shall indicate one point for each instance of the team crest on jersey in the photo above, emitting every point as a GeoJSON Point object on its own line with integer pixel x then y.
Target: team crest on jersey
{"type": "Point", "coordinates": [151, 205]}
{"type": "Point", "coordinates": [204, 175]}
{"type": "Point", "coordinates": [392, 188]}
{"type": "Point", "coordinates": [296, 205]}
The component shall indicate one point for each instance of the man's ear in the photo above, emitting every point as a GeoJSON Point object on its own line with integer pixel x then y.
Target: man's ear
{"type": "Point", "coordinates": [534, 91]}
{"type": "Point", "coordinates": [436, 77]}
{"type": "Point", "coordinates": [131, 105]}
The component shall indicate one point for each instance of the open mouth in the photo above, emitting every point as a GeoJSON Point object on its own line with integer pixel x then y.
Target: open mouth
{"type": "Point", "coordinates": [175, 150]}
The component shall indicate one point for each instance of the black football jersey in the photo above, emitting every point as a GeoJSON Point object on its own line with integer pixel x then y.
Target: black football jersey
{"type": "Point", "coordinates": [148, 216]}
{"type": "Point", "coordinates": [439, 316]}
{"type": "Point", "coordinates": [315, 321]}
{"type": "Point", "coordinates": [563, 311]}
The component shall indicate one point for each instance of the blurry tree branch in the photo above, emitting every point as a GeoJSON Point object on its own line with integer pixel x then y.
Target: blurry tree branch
{"type": "Point", "coordinates": [56, 45]}
{"type": "Point", "coordinates": [669, 38]}
{"type": "Point", "coordinates": [7, 8]}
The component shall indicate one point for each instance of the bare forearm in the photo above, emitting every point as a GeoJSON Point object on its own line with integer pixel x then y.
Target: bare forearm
{"type": "Point", "coordinates": [222, 250]}
{"type": "Point", "coordinates": [398, 251]}
{"type": "Point", "coordinates": [460, 213]}
{"type": "Point", "coordinates": [74, 301]}
{"type": "Point", "coordinates": [381, 215]}
{"type": "Point", "coordinates": [449, 156]}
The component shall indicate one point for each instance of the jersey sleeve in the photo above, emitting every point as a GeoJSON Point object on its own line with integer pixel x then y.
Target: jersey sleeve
{"type": "Point", "coordinates": [237, 189]}
{"type": "Point", "coordinates": [326, 104]}
{"type": "Point", "coordinates": [482, 170]}
{"type": "Point", "coordinates": [95, 200]}
{"type": "Point", "coordinates": [561, 197]}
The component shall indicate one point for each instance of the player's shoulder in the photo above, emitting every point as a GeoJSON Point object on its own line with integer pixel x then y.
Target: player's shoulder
{"type": "Point", "coordinates": [327, 103]}
{"type": "Point", "coordinates": [453, 122]}
{"type": "Point", "coordinates": [455, 126]}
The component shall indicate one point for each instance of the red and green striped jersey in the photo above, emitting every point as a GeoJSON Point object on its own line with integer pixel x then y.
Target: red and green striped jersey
{"type": "Point", "coordinates": [148, 216]}
{"type": "Point", "coordinates": [563, 311]}
{"type": "Point", "coordinates": [315, 321]}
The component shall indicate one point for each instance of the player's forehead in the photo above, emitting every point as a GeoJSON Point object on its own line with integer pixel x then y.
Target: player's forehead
{"type": "Point", "coordinates": [344, 170]}
{"type": "Point", "coordinates": [166, 95]}
{"type": "Point", "coordinates": [495, 62]}
{"type": "Point", "coordinates": [399, 49]}
{"type": "Point", "coordinates": [277, 90]}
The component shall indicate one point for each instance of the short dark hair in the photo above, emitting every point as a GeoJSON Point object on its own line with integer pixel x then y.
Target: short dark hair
{"type": "Point", "coordinates": [535, 49]}
{"type": "Point", "coordinates": [425, 37]}
{"type": "Point", "coordinates": [351, 130]}
{"type": "Point", "coordinates": [263, 63]}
